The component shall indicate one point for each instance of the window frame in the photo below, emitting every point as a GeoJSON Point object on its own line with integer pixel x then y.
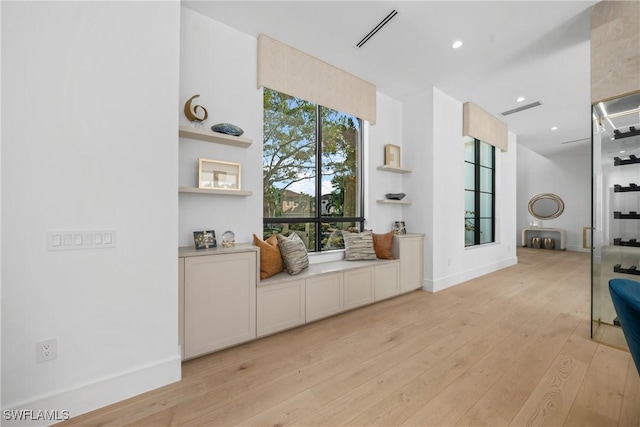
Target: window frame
{"type": "Point", "coordinates": [319, 219]}
{"type": "Point", "coordinates": [477, 191]}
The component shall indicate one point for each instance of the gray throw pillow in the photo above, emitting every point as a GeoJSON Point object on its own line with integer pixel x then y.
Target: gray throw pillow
{"type": "Point", "coordinates": [294, 253]}
{"type": "Point", "coordinates": [358, 246]}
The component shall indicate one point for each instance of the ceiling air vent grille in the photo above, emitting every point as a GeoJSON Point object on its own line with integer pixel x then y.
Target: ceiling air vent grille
{"type": "Point", "coordinates": [377, 28]}
{"type": "Point", "coordinates": [524, 107]}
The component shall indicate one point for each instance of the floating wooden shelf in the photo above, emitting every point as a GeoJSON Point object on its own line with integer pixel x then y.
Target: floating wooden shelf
{"type": "Point", "coordinates": [212, 191]}
{"type": "Point", "coordinates": [394, 202]}
{"type": "Point", "coordinates": [393, 169]}
{"type": "Point", "coordinates": [208, 135]}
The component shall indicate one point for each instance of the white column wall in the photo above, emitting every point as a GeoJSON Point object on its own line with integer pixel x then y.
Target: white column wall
{"type": "Point", "coordinates": [433, 131]}
{"type": "Point", "coordinates": [453, 263]}
{"type": "Point", "coordinates": [220, 63]}
{"type": "Point", "coordinates": [387, 130]}
{"type": "Point", "coordinates": [90, 142]}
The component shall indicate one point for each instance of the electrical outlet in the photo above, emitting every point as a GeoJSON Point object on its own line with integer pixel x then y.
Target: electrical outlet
{"type": "Point", "coordinates": [46, 350]}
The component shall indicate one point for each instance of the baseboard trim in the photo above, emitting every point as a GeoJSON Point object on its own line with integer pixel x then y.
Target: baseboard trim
{"type": "Point", "coordinates": [101, 392]}
{"type": "Point", "coordinates": [456, 279]}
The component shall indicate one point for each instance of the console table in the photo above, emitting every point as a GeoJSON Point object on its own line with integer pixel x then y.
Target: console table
{"type": "Point", "coordinates": [529, 232]}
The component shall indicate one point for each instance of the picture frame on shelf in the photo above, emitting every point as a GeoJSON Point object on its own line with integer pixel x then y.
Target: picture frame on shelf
{"type": "Point", "coordinates": [205, 239]}
{"type": "Point", "coordinates": [219, 175]}
{"type": "Point", "coordinates": [392, 155]}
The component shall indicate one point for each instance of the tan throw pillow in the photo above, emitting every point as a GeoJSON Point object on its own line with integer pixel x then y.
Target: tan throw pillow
{"type": "Point", "coordinates": [358, 246]}
{"type": "Point", "coordinates": [383, 244]}
{"type": "Point", "coordinates": [294, 253]}
{"type": "Point", "coordinates": [270, 258]}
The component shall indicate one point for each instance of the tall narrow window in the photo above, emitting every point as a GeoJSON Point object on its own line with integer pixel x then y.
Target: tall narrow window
{"type": "Point", "coordinates": [479, 192]}
{"type": "Point", "coordinates": [312, 174]}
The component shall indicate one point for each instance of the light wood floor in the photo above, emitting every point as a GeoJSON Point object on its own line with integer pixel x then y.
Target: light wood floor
{"type": "Point", "coordinates": [509, 348]}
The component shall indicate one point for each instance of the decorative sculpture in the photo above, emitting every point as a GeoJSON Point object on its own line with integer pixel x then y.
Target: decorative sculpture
{"type": "Point", "coordinates": [191, 114]}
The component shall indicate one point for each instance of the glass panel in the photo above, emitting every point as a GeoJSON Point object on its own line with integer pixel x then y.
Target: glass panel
{"type": "Point", "coordinates": [486, 205]}
{"type": "Point", "coordinates": [305, 230]}
{"type": "Point", "coordinates": [289, 153]}
{"type": "Point", "coordinates": [486, 231]}
{"type": "Point", "coordinates": [614, 253]}
{"type": "Point", "coordinates": [486, 154]}
{"type": "Point", "coordinates": [469, 203]}
{"type": "Point", "coordinates": [469, 232]}
{"type": "Point", "coordinates": [469, 176]}
{"type": "Point", "coordinates": [469, 149]}
{"type": "Point", "coordinates": [332, 235]}
{"type": "Point", "coordinates": [340, 181]}
{"type": "Point", "coordinates": [486, 180]}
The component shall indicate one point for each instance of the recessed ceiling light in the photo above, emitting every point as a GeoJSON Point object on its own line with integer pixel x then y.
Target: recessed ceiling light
{"type": "Point", "coordinates": [554, 128]}
{"type": "Point", "coordinates": [456, 44]}
{"type": "Point", "coordinates": [520, 99]}
{"type": "Point", "coordinates": [622, 152]}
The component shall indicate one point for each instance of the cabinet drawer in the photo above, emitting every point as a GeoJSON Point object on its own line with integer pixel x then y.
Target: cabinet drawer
{"type": "Point", "coordinates": [386, 281]}
{"type": "Point", "coordinates": [358, 288]}
{"type": "Point", "coordinates": [280, 307]}
{"type": "Point", "coordinates": [219, 301]}
{"type": "Point", "coordinates": [323, 296]}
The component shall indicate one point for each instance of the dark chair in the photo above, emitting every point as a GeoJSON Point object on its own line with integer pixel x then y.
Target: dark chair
{"type": "Point", "coordinates": [626, 300]}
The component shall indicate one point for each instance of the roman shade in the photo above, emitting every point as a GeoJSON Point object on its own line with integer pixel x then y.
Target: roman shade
{"type": "Point", "coordinates": [481, 125]}
{"type": "Point", "coordinates": [291, 71]}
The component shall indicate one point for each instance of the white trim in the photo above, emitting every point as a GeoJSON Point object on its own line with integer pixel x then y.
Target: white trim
{"type": "Point", "coordinates": [105, 391]}
{"type": "Point", "coordinates": [456, 279]}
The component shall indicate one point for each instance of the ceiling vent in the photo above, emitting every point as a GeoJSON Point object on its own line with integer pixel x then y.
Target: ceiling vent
{"type": "Point", "coordinates": [524, 107]}
{"type": "Point", "coordinates": [377, 28]}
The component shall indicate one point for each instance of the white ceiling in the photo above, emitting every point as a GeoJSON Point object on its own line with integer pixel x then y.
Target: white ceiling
{"type": "Point", "coordinates": [536, 49]}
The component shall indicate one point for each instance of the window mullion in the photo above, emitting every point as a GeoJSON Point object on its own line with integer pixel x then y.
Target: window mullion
{"type": "Point", "coordinates": [318, 201]}
{"type": "Point", "coordinates": [476, 206]}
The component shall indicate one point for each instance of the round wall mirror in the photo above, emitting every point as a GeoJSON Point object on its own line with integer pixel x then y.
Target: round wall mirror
{"type": "Point", "coordinates": [546, 206]}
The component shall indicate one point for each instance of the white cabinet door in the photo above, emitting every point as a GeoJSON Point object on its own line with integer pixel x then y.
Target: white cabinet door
{"type": "Point", "coordinates": [386, 281]}
{"type": "Point", "coordinates": [358, 288]}
{"type": "Point", "coordinates": [280, 306]}
{"type": "Point", "coordinates": [323, 296]}
{"type": "Point", "coordinates": [219, 301]}
{"type": "Point", "coordinates": [409, 249]}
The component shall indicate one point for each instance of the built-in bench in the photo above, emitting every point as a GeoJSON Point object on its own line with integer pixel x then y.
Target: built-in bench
{"type": "Point", "coordinates": [323, 289]}
{"type": "Point", "coordinates": [221, 302]}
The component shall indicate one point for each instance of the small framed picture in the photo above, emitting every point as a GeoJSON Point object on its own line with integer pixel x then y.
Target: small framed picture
{"type": "Point", "coordinates": [204, 239]}
{"type": "Point", "coordinates": [214, 174]}
{"type": "Point", "coordinates": [399, 227]}
{"type": "Point", "coordinates": [392, 155]}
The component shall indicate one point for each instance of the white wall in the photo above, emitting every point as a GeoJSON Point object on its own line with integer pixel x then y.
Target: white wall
{"type": "Point", "coordinates": [90, 142]}
{"type": "Point", "coordinates": [219, 63]}
{"type": "Point", "coordinates": [453, 263]}
{"type": "Point", "coordinates": [568, 176]}
{"type": "Point", "coordinates": [387, 130]}
{"type": "Point", "coordinates": [0, 209]}
{"type": "Point", "coordinates": [433, 124]}
{"type": "Point", "coordinates": [417, 121]}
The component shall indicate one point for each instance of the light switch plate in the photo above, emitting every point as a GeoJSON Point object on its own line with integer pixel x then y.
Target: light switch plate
{"type": "Point", "coordinates": [65, 240]}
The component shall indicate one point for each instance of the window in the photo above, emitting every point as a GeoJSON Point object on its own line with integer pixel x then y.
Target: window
{"type": "Point", "coordinates": [312, 174]}
{"type": "Point", "coordinates": [479, 192]}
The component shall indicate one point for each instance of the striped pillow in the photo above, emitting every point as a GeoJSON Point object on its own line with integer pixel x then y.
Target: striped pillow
{"type": "Point", "coordinates": [358, 246]}
{"type": "Point", "coordinates": [294, 253]}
